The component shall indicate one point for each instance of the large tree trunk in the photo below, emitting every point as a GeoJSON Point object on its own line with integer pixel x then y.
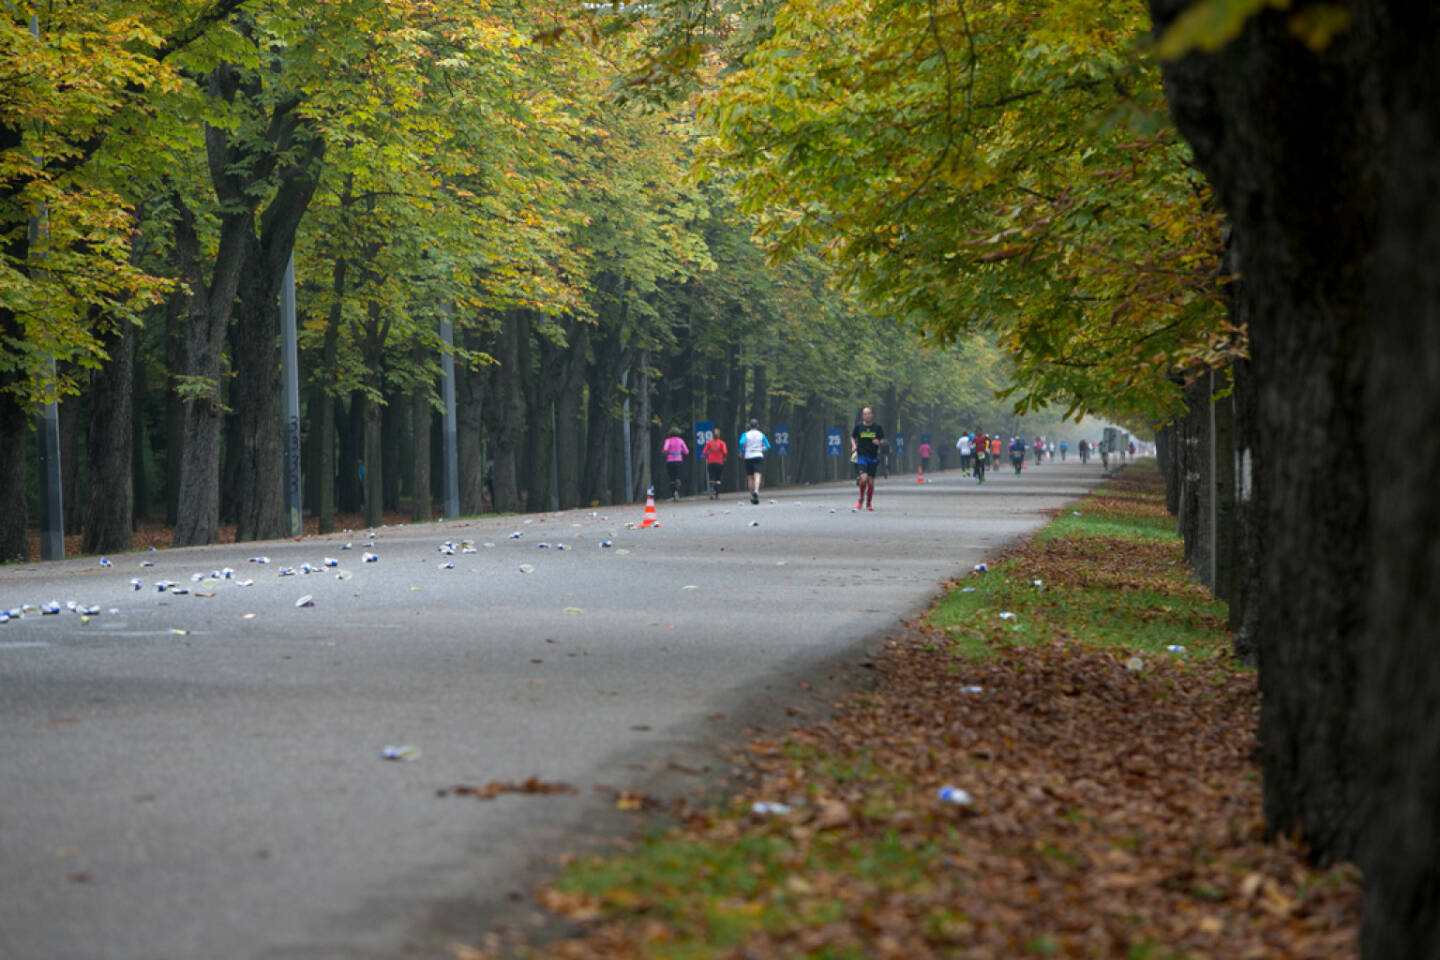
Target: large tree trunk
{"type": "Point", "coordinates": [1281, 133]}
{"type": "Point", "coordinates": [509, 414]}
{"type": "Point", "coordinates": [393, 416]}
{"type": "Point", "coordinates": [261, 511]}
{"type": "Point", "coordinates": [469, 431]}
{"type": "Point", "coordinates": [1400, 683]}
{"type": "Point", "coordinates": [569, 413]}
{"type": "Point", "coordinates": [110, 477]}
{"type": "Point", "coordinates": [198, 484]}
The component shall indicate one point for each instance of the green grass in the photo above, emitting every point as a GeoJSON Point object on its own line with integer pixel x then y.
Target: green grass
{"type": "Point", "coordinates": [716, 895]}
{"type": "Point", "coordinates": [1088, 524]}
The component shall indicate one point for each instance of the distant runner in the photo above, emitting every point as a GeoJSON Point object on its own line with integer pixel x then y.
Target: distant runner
{"type": "Point", "coordinates": [676, 450]}
{"type": "Point", "coordinates": [982, 454]}
{"type": "Point", "coordinates": [865, 442]}
{"type": "Point", "coordinates": [967, 450]}
{"type": "Point", "coordinates": [752, 445]}
{"type": "Point", "coordinates": [715, 453]}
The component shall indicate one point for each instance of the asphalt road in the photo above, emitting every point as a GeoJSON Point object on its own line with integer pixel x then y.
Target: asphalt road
{"type": "Point", "coordinates": [219, 792]}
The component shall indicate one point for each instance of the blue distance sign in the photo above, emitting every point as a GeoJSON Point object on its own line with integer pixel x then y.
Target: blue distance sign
{"type": "Point", "coordinates": [833, 441]}
{"type": "Point", "coordinates": [704, 433]}
{"type": "Point", "coordinates": [781, 436]}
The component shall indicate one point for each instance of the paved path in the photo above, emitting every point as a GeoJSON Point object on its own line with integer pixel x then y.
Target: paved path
{"type": "Point", "coordinates": [218, 793]}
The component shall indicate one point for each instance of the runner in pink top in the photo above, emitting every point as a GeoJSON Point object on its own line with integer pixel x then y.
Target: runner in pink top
{"type": "Point", "coordinates": [675, 453]}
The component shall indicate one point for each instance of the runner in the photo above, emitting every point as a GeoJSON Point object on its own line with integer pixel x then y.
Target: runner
{"type": "Point", "coordinates": [1017, 454]}
{"type": "Point", "coordinates": [1084, 448]}
{"type": "Point", "coordinates": [995, 447]}
{"type": "Point", "coordinates": [924, 457]}
{"type": "Point", "coordinates": [967, 450]}
{"type": "Point", "coordinates": [676, 450]}
{"type": "Point", "coordinates": [715, 453]}
{"type": "Point", "coordinates": [1064, 447]}
{"type": "Point", "coordinates": [752, 446]}
{"type": "Point", "coordinates": [865, 442]}
{"type": "Point", "coordinates": [982, 454]}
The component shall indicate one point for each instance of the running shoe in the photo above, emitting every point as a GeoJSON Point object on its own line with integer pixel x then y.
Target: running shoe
{"type": "Point", "coordinates": [859, 505]}
{"type": "Point", "coordinates": [868, 507]}
{"type": "Point", "coordinates": [754, 497]}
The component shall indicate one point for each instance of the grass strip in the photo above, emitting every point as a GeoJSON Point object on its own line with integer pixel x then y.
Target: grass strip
{"type": "Point", "coordinates": [1115, 803]}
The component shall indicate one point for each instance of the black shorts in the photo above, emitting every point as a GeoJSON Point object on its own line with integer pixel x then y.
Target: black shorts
{"type": "Point", "coordinates": [714, 470]}
{"type": "Point", "coordinates": [754, 465]}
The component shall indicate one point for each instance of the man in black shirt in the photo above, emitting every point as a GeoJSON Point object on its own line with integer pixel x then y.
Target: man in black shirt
{"type": "Point", "coordinates": [865, 442]}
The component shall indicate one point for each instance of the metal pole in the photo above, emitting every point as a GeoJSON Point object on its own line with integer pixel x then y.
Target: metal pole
{"type": "Point", "coordinates": [51, 490]}
{"type": "Point", "coordinates": [625, 429]}
{"type": "Point", "coordinates": [452, 468]}
{"type": "Point", "coordinates": [554, 463]}
{"type": "Point", "coordinates": [290, 375]}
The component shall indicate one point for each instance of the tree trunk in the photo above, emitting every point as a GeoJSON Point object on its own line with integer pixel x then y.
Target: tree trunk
{"type": "Point", "coordinates": [1400, 686]}
{"type": "Point", "coordinates": [350, 453]}
{"type": "Point", "coordinates": [600, 436]}
{"type": "Point", "coordinates": [509, 414]}
{"type": "Point", "coordinates": [198, 485]}
{"type": "Point", "coordinates": [469, 431]}
{"type": "Point", "coordinates": [1282, 134]}
{"type": "Point", "coordinates": [371, 419]}
{"type": "Point", "coordinates": [109, 474]}
{"type": "Point", "coordinates": [260, 506]}
{"type": "Point", "coordinates": [393, 416]}
{"type": "Point", "coordinates": [641, 449]}
{"type": "Point", "coordinates": [569, 426]}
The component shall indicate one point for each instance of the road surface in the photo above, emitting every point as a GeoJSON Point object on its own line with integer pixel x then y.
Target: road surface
{"type": "Point", "coordinates": [190, 776]}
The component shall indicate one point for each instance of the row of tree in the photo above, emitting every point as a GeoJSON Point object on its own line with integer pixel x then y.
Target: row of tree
{"type": "Point", "coordinates": [164, 162]}
{"type": "Point", "coordinates": [1255, 277]}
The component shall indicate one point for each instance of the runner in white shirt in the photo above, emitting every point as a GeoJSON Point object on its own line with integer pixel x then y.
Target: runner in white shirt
{"type": "Point", "coordinates": [966, 451]}
{"type": "Point", "coordinates": [752, 446]}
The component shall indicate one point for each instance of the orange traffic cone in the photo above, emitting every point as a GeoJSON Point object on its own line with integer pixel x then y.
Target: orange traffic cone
{"type": "Point", "coordinates": [651, 520]}
{"type": "Point", "coordinates": [920, 475]}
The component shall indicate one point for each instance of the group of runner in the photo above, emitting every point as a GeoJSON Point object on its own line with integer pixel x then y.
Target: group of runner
{"type": "Point", "coordinates": [751, 446]}
{"type": "Point", "coordinates": [979, 453]}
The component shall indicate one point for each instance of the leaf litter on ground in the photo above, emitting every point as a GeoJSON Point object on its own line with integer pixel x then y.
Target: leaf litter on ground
{"type": "Point", "coordinates": [1113, 813]}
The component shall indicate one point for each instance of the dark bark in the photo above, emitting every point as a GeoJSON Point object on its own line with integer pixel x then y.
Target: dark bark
{"type": "Point", "coordinates": [1400, 685]}
{"type": "Point", "coordinates": [260, 504]}
{"type": "Point", "coordinates": [198, 484]}
{"type": "Point", "coordinates": [74, 411]}
{"type": "Point", "coordinates": [470, 397]}
{"type": "Point", "coordinates": [350, 446]}
{"type": "Point", "coordinates": [394, 413]}
{"type": "Point", "coordinates": [109, 476]}
{"type": "Point", "coordinates": [569, 413]}
{"type": "Point", "coordinates": [1249, 511]}
{"type": "Point", "coordinates": [509, 413]}
{"type": "Point", "coordinates": [601, 446]}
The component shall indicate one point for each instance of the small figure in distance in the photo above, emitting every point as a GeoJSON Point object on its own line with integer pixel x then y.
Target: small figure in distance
{"type": "Point", "coordinates": [715, 453]}
{"type": "Point", "coordinates": [866, 439]}
{"type": "Point", "coordinates": [676, 450]}
{"type": "Point", "coordinates": [752, 446]}
{"type": "Point", "coordinates": [982, 454]}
